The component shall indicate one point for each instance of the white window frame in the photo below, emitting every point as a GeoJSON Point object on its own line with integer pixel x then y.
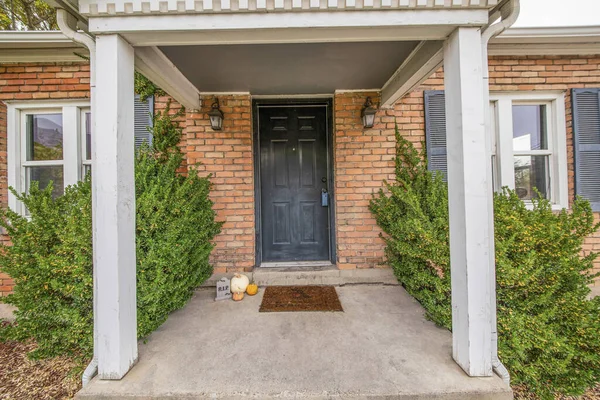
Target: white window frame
{"type": "Point", "coordinates": [16, 145]}
{"type": "Point", "coordinates": [502, 130]}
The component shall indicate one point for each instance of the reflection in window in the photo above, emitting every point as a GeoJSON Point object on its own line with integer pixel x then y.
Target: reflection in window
{"type": "Point", "coordinates": [529, 128]}
{"type": "Point", "coordinates": [44, 175]}
{"type": "Point", "coordinates": [44, 151]}
{"type": "Point", "coordinates": [88, 136]}
{"type": "Point", "coordinates": [531, 174]}
{"type": "Point", "coordinates": [44, 137]}
{"type": "Point", "coordinates": [530, 148]}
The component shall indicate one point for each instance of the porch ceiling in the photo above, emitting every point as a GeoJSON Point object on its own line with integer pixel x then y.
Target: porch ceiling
{"type": "Point", "coordinates": [291, 68]}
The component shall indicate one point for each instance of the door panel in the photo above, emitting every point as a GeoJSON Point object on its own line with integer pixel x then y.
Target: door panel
{"type": "Point", "coordinates": [293, 173]}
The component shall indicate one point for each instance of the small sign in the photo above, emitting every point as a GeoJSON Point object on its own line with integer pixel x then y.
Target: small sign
{"type": "Point", "coordinates": [223, 289]}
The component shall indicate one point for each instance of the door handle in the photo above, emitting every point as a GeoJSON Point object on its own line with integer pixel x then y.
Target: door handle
{"type": "Point", "coordinates": [324, 198]}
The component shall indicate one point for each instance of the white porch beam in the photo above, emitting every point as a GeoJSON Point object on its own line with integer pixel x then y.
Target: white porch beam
{"type": "Point", "coordinates": [113, 192]}
{"type": "Point", "coordinates": [288, 20]}
{"type": "Point", "coordinates": [290, 35]}
{"type": "Point", "coordinates": [468, 199]}
{"type": "Point", "coordinates": [417, 67]}
{"type": "Point", "coordinates": [155, 65]}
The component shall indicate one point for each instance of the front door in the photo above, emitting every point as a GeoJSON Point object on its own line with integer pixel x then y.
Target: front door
{"type": "Point", "coordinates": [293, 177]}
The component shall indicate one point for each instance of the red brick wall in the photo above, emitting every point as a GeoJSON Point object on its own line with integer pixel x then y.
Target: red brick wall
{"type": "Point", "coordinates": [227, 155]}
{"type": "Point", "coordinates": [363, 158]}
{"type": "Point", "coordinates": [34, 81]}
{"type": "Point", "coordinates": [518, 74]}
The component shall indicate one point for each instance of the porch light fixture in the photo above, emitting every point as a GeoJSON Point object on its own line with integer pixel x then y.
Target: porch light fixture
{"type": "Point", "coordinates": [368, 114]}
{"type": "Point", "coordinates": [216, 116]}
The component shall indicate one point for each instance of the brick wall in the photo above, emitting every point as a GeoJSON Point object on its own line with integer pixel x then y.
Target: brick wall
{"type": "Point", "coordinates": [362, 160]}
{"type": "Point", "coordinates": [34, 81]}
{"type": "Point", "coordinates": [517, 74]}
{"type": "Point", "coordinates": [227, 155]}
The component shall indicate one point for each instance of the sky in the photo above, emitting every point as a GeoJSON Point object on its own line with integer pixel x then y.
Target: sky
{"type": "Point", "coordinates": [548, 13]}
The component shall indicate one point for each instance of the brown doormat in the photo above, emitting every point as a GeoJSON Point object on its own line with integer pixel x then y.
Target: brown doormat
{"type": "Point", "coordinates": [300, 298]}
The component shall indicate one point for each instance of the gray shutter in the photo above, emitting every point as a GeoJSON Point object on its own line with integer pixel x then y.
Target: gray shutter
{"type": "Point", "coordinates": [144, 109]}
{"type": "Point", "coordinates": [435, 131]}
{"type": "Point", "coordinates": [586, 124]}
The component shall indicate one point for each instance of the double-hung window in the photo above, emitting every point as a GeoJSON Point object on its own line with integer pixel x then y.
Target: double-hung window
{"type": "Point", "coordinates": [529, 147]}
{"type": "Point", "coordinates": [44, 145]}
{"type": "Point", "coordinates": [527, 144]}
{"type": "Point", "coordinates": [52, 142]}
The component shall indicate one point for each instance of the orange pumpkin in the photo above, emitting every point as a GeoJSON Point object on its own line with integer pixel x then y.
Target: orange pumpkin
{"type": "Point", "coordinates": [237, 296]}
{"type": "Point", "coordinates": [252, 289]}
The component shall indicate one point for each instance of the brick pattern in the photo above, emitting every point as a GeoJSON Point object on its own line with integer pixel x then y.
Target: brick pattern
{"type": "Point", "coordinates": [227, 155]}
{"type": "Point", "coordinates": [362, 160]}
{"type": "Point", "coordinates": [518, 74]}
{"type": "Point", "coordinates": [35, 81]}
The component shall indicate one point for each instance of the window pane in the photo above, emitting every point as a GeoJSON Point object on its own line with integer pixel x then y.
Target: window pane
{"type": "Point", "coordinates": [88, 136]}
{"type": "Point", "coordinates": [44, 137]}
{"type": "Point", "coordinates": [529, 128]}
{"type": "Point", "coordinates": [531, 172]}
{"type": "Point", "coordinates": [45, 174]}
{"type": "Point", "coordinates": [87, 169]}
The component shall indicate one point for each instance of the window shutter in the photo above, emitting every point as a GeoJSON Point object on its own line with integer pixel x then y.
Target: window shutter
{"type": "Point", "coordinates": [144, 109]}
{"type": "Point", "coordinates": [586, 124]}
{"type": "Point", "coordinates": [435, 131]}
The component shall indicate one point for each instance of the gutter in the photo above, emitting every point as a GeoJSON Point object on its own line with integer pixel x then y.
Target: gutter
{"type": "Point", "coordinates": [509, 12]}
{"type": "Point", "coordinates": [67, 24]}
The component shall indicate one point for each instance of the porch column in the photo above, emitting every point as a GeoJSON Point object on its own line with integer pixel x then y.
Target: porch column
{"type": "Point", "coordinates": [113, 193]}
{"type": "Point", "coordinates": [471, 228]}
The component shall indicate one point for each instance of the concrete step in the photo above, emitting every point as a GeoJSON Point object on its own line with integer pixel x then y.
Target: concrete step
{"type": "Point", "coordinates": [506, 395]}
{"type": "Point", "coordinates": [322, 275]}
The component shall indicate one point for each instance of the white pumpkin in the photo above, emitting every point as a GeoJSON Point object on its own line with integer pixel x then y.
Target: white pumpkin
{"type": "Point", "coordinates": [239, 283]}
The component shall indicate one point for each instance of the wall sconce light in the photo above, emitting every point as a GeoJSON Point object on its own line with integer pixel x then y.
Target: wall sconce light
{"type": "Point", "coordinates": [216, 116]}
{"type": "Point", "coordinates": [368, 114]}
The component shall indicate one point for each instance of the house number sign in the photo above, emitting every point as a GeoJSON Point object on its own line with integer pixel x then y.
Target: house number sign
{"type": "Point", "coordinates": [223, 289]}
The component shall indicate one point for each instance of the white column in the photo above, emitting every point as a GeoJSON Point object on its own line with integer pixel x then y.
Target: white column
{"type": "Point", "coordinates": [469, 191]}
{"type": "Point", "coordinates": [113, 193]}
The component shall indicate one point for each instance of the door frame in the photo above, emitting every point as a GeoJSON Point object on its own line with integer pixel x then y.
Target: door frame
{"type": "Point", "coordinates": [258, 103]}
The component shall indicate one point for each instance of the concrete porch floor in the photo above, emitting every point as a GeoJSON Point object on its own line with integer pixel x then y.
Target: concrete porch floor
{"type": "Point", "coordinates": [380, 347]}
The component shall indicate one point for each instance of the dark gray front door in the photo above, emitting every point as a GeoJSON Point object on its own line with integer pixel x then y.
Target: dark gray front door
{"type": "Point", "coordinates": [293, 174]}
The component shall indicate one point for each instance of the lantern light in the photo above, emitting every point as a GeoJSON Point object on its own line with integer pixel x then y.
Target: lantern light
{"type": "Point", "coordinates": [368, 114]}
{"type": "Point", "coordinates": [216, 116]}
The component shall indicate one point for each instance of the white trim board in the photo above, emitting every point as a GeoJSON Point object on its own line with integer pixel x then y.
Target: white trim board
{"type": "Point", "coordinates": [307, 20]}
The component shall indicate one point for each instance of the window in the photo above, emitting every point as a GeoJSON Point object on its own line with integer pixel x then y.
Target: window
{"type": "Point", "coordinates": [86, 141]}
{"type": "Point", "coordinates": [529, 145]}
{"type": "Point", "coordinates": [44, 145]}
{"type": "Point", "coordinates": [42, 149]}
{"type": "Point", "coordinates": [53, 142]}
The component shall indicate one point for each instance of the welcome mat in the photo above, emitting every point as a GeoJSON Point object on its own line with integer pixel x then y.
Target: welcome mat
{"type": "Point", "coordinates": [300, 298]}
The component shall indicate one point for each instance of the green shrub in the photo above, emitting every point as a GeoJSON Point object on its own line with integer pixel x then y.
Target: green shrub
{"type": "Point", "coordinates": [175, 227]}
{"type": "Point", "coordinates": [51, 262]}
{"type": "Point", "coordinates": [549, 333]}
{"type": "Point", "coordinates": [51, 256]}
{"type": "Point", "coordinates": [413, 211]}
